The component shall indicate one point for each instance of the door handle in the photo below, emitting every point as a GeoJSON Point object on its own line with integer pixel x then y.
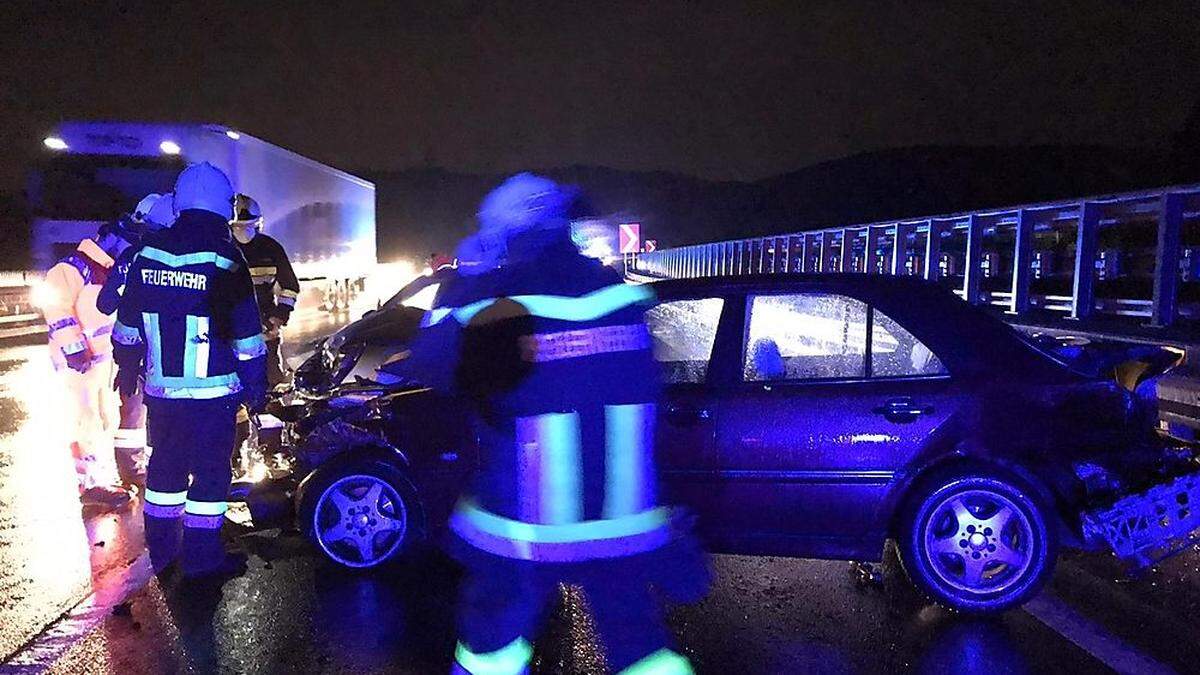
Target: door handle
{"type": "Point", "coordinates": [685, 414]}
{"type": "Point", "coordinates": [902, 409]}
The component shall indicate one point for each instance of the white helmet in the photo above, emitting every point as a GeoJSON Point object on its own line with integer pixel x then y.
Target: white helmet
{"type": "Point", "coordinates": [143, 207]}
{"type": "Point", "coordinates": [162, 214]}
{"type": "Point", "coordinates": [204, 187]}
{"type": "Point", "coordinates": [247, 218]}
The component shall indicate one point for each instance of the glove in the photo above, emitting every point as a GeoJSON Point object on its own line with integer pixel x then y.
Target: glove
{"type": "Point", "coordinates": [80, 361]}
{"type": "Point", "coordinates": [127, 382]}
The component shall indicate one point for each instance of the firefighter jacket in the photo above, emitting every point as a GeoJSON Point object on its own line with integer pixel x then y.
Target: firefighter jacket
{"type": "Point", "coordinates": [74, 321]}
{"type": "Point", "coordinates": [188, 314]}
{"type": "Point", "coordinates": [275, 284]}
{"type": "Point", "coordinates": [553, 354]}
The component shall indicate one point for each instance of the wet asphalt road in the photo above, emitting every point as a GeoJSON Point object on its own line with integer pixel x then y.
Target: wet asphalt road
{"type": "Point", "coordinates": [295, 612]}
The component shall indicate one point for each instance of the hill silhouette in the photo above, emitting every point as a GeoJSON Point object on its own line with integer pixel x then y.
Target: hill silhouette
{"type": "Point", "coordinates": [430, 209]}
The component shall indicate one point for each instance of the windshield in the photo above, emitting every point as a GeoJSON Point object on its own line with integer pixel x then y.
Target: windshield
{"type": "Point", "coordinates": [97, 187]}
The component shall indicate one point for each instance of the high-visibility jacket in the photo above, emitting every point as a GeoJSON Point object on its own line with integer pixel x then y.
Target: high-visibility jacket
{"type": "Point", "coordinates": [188, 313]}
{"type": "Point", "coordinates": [75, 323]}
{"type": "Point", "coordinates": [553, 351]}
{"type": "Point", "coordinates": [275, 284]}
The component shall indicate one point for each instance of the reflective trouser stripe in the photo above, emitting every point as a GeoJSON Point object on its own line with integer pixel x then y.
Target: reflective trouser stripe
{"type": "Point", "coordinates": [163, 504]}
{"type": "Point", "coordinates": [548, 463]}
{"type": "Point", "coordinates": [165, 498]}
{"type": "Point", "coordinates": [628, 445]}
{"type": "Point", "coordinates": [203, 522]}
{"type": "Point", "coordinates": [661, 662]}
{"type": "Point", "coordinates": [130, 438]}
{"type": "Point", "coordinates": [512, 659]}
{"type": "Point", "coordinates": [206, 508]}
{"type": "Point", "coordinates": [158, 511]}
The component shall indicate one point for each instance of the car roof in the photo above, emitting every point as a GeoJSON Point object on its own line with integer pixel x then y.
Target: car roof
{"type": "Point", "coordinates": [965, 337]}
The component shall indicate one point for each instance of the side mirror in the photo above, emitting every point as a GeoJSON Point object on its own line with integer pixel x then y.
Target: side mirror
{"type": "Point", "coordinates": [369, 312]}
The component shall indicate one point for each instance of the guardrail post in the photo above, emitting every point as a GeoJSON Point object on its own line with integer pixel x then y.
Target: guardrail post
{"type": "Point", "coordinates": [803, 254]}
{"type": "Point", "coordinates": [828, 252]}
{"type": "Point", "coordinates": [933, 250]}
{"type": "Point", "coordinates": [900, 247]}
{"type": "Point", "coordinates": [845, 264]}
{"type": "Point", "coordinates": [1083, 293]}
{"type": "Point", "coordinates": [1164, 305]}
{"type": "Point", "coordinates": [973, 273]}
{"type": "Point", "coordinates": [1022, 263]}
{"type": "Point", "coordinates": [871, 255]}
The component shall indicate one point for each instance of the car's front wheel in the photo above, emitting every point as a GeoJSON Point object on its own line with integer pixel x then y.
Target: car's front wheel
{"type": "Point", "coordinates": [359, 515]}
{"type": "Point", "coordinates": [978, 542]}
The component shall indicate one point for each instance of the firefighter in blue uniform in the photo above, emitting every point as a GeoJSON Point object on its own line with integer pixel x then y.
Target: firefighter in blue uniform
{"type": "Point", "coordinates": [551, 351]}
{"type": "Point", "coordinates": [187, 324]}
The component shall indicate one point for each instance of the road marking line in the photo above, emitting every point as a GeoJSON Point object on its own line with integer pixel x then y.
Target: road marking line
{"type": "Point", "coordinates": [1091, 637]}
{"type": "Point", "coordinates": [52, 643]}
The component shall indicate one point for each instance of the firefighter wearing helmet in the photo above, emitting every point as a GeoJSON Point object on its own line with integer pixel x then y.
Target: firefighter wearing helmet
{"type": "Point", "coordinates": [81, 351]}
{"type": "Point", "coordinates": [551, 350]}
{"type": "Point", "coordinates": [188, 334]}
{"type": "Point", "coordinates": [275, 283]}
{"type": "Point", "coordinates": [155, 212]}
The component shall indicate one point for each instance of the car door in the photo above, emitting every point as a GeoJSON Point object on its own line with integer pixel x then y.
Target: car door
{"type": "Point", "coordinates": [685, 332]}
{"type": "Point", "coordinates": [834, 399]}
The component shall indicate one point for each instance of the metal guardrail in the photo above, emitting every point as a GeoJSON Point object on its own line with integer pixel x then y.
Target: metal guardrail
{"type": "Point", "coordinates": [914, 246]}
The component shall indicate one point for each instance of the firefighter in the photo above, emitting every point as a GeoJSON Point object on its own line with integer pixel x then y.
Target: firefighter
{"type": "Point", "coordinates": [81, 351]}
{"type": "Point", "coordinates": [155, 212]}
{"type": "Point", "coordinates": [275, 283]}
{"type": "Point", "coordinates": [550, 350]}
{"type": "Point", "coordinates": [188, 333]}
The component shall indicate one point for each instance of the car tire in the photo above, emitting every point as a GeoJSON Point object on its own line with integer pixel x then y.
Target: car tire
{"type": "Point", "coordinates": [979, 542]}
{"type": "Point", "coordinates": [360, 513]}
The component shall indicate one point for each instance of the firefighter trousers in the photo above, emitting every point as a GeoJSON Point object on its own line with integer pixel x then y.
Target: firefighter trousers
{"type": "Point", "coordinates": [504, 603]}
{"type": "Point", "coordinates": [90, 412]}
{"type": "Point", "coordinates": [191, 440]}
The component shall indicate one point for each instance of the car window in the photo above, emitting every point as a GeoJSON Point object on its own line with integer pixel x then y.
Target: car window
{"type": "Point", "coordinates": [805, 336]}
{"type": "Point", "coordinates": [422, 299]}
{"type": "Point", "coordinates": [895, 352]}
{"type": "Point", "coordinates": [684, 332]}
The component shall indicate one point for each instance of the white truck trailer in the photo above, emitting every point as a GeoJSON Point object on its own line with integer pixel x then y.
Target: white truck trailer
{"type": "Point", "coordinates": [94, 171]}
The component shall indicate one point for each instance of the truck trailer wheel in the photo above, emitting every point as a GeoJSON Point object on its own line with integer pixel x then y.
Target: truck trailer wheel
{"type": "Point", "coordinates": [977, 542]}
{"type": "Point", "coordinates": [361, 513]}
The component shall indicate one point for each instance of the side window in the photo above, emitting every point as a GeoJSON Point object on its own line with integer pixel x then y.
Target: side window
{"type": "Point", "coordinates": [684, 332]}
{"type": "Point", "coordinates": [895, 352]}
{"type": "Point", "coordinates": [805, 336]}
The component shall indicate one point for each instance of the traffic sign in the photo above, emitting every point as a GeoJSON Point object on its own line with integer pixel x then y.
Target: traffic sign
{"type": "Point", "coordinates": [630, 237]}
{"type": "Point", "coordinates": [650, 246]}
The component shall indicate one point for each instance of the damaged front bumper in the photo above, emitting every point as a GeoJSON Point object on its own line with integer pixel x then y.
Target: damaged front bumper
{"type": "Point", "coordinates": [1142, 529]}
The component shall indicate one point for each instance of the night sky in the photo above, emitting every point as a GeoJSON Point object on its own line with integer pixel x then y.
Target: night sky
{"type": "Point", "coordinates": [721, 90]}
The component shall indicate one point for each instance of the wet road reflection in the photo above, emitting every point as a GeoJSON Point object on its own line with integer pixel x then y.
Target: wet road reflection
{"type": "Point", "coordinates": [49, 552]}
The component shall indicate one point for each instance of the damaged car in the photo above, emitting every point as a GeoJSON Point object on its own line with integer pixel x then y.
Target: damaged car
{"type": "Point", "coordinates": [810, 416]}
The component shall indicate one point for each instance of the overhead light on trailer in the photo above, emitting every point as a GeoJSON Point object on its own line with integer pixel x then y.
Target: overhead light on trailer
{"type": "Point", "coordinates": [169, 147]}
{"type": "Point", "coordinates": [54, 143]}
{"type": "Point", "coordinates": [232, 134]}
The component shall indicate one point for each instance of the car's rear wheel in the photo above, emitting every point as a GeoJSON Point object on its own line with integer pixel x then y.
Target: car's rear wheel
{"type": "Point", "coordinates": [978, 542]}
{"type": "Point", "coordinates": [361, 514]}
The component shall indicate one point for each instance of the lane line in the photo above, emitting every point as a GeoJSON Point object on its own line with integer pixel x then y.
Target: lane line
{"type": "Point", "coordinates": [1092, 638]}
{"type": "Point", "coordinates": [51, 644]}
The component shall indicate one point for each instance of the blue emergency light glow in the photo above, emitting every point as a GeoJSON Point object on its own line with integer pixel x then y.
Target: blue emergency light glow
{"type": "Point", "coordinates": [55, 143]}
{"type": "Point", "coordinates": [233, 135]}
{"type": "Point", "coordinates": [169, 147]}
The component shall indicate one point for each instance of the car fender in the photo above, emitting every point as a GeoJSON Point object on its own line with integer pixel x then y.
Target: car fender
{"type": "Point", "coordinates": [965, 457]}
{"type": "Point", "coordinates": [387, 456]}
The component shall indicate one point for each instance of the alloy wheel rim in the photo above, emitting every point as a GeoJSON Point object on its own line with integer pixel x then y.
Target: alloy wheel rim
{"type": "Point", "coordinates": [978, 541]}
{"type": "Point", "coordinates": [360, 520]}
